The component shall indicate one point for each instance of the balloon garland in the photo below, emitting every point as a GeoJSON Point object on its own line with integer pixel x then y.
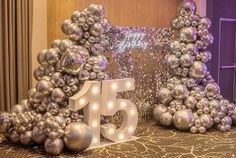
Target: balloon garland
{"type": "Point", "coordinates": [190, 99]}
{"type": "Point", "coordinates": [44, 117]}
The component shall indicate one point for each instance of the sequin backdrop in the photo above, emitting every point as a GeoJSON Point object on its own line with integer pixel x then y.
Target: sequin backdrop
{"type": "Point", "coordinates": [139, 53]}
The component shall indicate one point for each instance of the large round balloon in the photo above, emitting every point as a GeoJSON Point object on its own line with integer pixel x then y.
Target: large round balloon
{"type": "Point", "coordinates": [183, 119]}
{"type": "Point", "coordinates": [54, 146]}
{"type": "Point", "coordinates": [164, 95]}
{"type": "Point", "coordinates": [198, 70]}
{"type": "Point", "coordinates": [158, 111]}
{"type": "Point", "coordinates": [188, 34]}
{"type": "Point", "coordinates": [78, 136]}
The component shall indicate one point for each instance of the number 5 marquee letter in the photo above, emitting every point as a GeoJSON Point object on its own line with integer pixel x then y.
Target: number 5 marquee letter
{"type": "Point", "coordinates": [100, 98]}
{"type": "Point", "coordinates": [111, 105]}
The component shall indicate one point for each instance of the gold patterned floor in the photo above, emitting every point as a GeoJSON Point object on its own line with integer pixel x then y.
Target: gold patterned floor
{"type": "Point", "coordinates": [154, 141]}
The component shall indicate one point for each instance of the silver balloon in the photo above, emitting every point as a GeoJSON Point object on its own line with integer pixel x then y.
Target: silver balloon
{"type": "Point", "coordinates": [183, 119]}
{"type": "Point", "coordinates": [106, 24]}
{"type": "Point", "coordinates": [207, 120]}
{"type": "Point", "coordinates": [56, 43]}
{"type": "Point", "coordinates": [191, 48]}
{"type": "Point", "coordinates": [4, 122]}
{"type": "Point", "coordinates": [54, 147]}
{"type": "Point", "coordinates": [180, 91]}
{"type": "Point", "coordinates": [215, 104]}
{"type": "Point", "coordinates": [202, 129]}
{"type": "Point", "coordinates": [65, 25]}
{"type": "Point", "coordinates": [41, 57]}
{"type": "Point", "coordinates": [26, 104]}
{"type": "Point", "coordinates": [198, 70]}
{"type": "Point", "coordinates": [52, 56]}
{"type": "Point", "coordinates": [188, 6]}
{"type": "Point", "coordinates": [38, 135]}
{"type": "Point", "coordinates": [97, 29]}
{"type": "Point", "coordinates": [164, 95]}
{"type": "Point", "coordinates": [158, 111]}
{"type": "Point", "coordinates": [213, 88]}
{"type": "Point", "coordinates": [166, 119]}
{"type": "Point", "coordinates": [61, 121]}
{"type": "Point", "coordinates": [75, 16]}
{"type": "Point", "coordinates": [72, 62]}
{"type": "Point", "coordinates": [175, 46]}
{"type": "Point", "coordinates": [78, 136]}
{"type": "Point", "coordinates": [188, 34]}
{"type": "Point", "coordinates": [56, 79]}
{"type": "Point", "coordinates": [44, 87]}
{"type": "Point", "coordinates": [186, 60]}
{"type": "Point", "coordinates": [97, 49]}
{"type": "Point", "coordinates": [226, 120]}
{"type": "Point", "coordinates": [49, 70]}
{"type": "Point", "coordinates": [172, 61]}
{"type": "Point", "coordinates": [39, 72]}
{"type": "Point", "coordinates": [18, 108]}
{"type": "Point", "coordinates": [74, 32]}
{"type": "Point", "coordinates": [205, 22]}
{"type": "Point", "coordinates": [96, 10]}
{"type": "Point", "coordinates": [58, 95]}
{"type": "Point", "coordinates": [190, 102]}
{"type": "Point", "coordinates": [193, 129]}
{"type": "Point", "coordinates": [26, 138]}
{"type": "Point", "coordinates": [14, 137]}
{"type": "Point", "coordinates": [66, 43]}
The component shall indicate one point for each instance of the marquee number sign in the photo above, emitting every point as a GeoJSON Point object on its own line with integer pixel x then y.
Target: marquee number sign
{"type": "Point", "coordinates": [100, 98]}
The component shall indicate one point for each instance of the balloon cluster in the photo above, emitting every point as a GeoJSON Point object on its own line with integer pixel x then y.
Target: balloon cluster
{"type": "Point", "coordinates": [44, 117]}
{"type": "Point", "coordinates": [191, 100]}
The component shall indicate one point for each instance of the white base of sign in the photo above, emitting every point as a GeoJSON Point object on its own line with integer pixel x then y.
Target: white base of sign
{"type": "Point", "coordinates": [108, 143]}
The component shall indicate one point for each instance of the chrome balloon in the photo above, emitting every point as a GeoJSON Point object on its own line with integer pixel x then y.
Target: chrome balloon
{"type": "Point", "coordinates": [78, 136]}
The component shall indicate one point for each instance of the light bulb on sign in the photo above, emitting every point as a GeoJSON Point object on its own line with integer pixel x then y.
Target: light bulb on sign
{"type": "Point", "coordinates": [110, 105]}
{"type": "Point", "coordinates": [82, 101]}
{"type": "Point", "coordinates": [121, 136]}
{"type": "Point", "coordinates": [128, 84]}
{"type": "Point", "coordinates": [123, 104]}
{"type": "Point", "coordinates": [95, 90]}
{"type": "Point", "coordinates": [95, 106]}
{"type": "Point", "coordinates": [114, 86]}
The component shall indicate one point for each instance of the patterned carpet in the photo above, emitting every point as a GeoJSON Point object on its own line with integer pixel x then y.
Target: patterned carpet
{"type": "Point", "coordinates": [154, 141]}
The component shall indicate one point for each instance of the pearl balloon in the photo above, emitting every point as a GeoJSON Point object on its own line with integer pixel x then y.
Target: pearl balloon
{"type": "Point", "coordinates": [166, 119]}
{"type": "Point", "coordinates": [183, 119]}
{"type": "Point", "coordinates": [198, 70]}
{"type": "Point", "coordinates": [78, 136]}
{"type": "Point", "coordinates": [188, 34]}
{"type": "Point", "coordinates": [54, 147]}
{"type": "Point", "coordinates": [158, 111]}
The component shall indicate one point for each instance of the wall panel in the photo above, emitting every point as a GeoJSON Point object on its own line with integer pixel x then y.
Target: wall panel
{"type": "Point", "coordinates": [147, 13]}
